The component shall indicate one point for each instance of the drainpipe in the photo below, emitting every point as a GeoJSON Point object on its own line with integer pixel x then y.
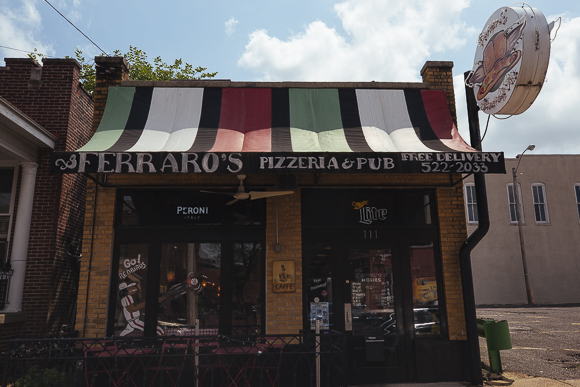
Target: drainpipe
{"type": "Point", "coordinates": [470, 243]}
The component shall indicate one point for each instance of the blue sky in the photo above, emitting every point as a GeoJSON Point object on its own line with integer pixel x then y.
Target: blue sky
{"type": "Point", "coordinates": [315, 40]}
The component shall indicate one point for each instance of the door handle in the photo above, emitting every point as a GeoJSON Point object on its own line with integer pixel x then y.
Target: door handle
{"type": "Point", "coordinates": [347, 317]}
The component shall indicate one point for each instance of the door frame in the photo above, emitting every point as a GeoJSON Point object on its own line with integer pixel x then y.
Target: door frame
{"type": "Point", "coordinates": [362, 371]}
{"type": "Point", "coordinates": [373, 373]}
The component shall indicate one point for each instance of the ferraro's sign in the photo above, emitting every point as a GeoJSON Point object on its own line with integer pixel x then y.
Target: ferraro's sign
{"type": "Point", "coordinates": [272, 162]}
{"type": "Point", "coordinates": [511, 60]}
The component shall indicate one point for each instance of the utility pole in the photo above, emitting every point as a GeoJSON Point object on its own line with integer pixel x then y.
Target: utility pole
{"type": "Point", "coordinates": [529, 293]}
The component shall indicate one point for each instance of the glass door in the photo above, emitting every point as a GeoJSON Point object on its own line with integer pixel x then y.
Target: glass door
{"type": "Point", "coordinates": [219, 285]}
{"type": "Point", "coordinates": [189, 288]}
{"type": "Point", "coordinates": [373, 313]}
{"type": "Point", "coordinates": [355, 287]}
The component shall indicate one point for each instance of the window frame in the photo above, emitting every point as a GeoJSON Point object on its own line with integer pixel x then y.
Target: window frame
{"type": "Point", "coordinates": [577, 196]}
{"type": "Point", "coordinates": [471, 207]}
{"type": "Point", "coordinates": [510, 204]}
{"type": "Point", "coordinates": [158, 234]}
{"type": "Point", "coordinates": [538, 204]}
{"type": "Point", "coordinates": [10, 213]}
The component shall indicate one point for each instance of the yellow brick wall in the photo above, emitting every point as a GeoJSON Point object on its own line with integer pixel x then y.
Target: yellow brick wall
{"type": "Point", "coordinates": [453, 232]}
{"type": "Point", "coordinates": [95, 267]}
{"type": "Point", "coordinates": [284, 310]}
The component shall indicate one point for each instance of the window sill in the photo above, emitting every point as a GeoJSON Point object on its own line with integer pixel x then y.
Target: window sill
{"type": "Point", "coordinates": [12, 317]}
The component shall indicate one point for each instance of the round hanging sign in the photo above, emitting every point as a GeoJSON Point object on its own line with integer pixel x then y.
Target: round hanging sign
{"type": "Point", "coordinates": [511, 60]}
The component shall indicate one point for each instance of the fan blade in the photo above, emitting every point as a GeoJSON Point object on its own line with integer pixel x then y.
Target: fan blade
{"type": "Point", "coordinates": [219, 193]}
{"type": "Point", "coordinates": [231, 202]}
{"type": "Point", "coordinates": [267, 194]}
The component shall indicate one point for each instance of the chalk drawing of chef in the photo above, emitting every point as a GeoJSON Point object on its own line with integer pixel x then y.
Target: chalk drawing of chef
{"type": "Point", "coordinates": [131, 310]}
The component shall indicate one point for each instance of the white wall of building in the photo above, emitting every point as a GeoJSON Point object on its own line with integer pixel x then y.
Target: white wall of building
{"type": "Point", "coordinates": [552, 249]}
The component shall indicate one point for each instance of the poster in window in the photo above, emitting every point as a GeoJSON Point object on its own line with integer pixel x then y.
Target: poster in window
{"type": "Point", "coordinates": [319, 311]}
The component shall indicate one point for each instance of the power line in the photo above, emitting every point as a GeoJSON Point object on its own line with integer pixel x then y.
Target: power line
{"type": "Point", "coordinates": [95, 44]}
{"type": "Point", "coordinates": [26, 52]}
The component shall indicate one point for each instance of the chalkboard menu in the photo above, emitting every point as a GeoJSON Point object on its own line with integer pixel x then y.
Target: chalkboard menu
{"type": "Point", "coordinates": [372, 292]}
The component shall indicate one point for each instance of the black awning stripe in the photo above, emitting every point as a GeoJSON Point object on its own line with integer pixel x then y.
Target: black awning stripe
{"type": "Point", "coordinates": [281, 139]}
{"type": "Point", "coordinates": [209, 120]}
{"type": "Point", "coordinates": [351, 121]}
{"type": "Point", "coordinates": [136, 120]}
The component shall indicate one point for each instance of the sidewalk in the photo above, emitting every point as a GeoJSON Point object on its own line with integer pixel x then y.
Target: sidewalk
{"type": "Point", "coordinates": [509, 379]}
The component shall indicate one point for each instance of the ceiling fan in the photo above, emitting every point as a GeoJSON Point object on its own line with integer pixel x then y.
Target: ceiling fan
{"type": "Point", "coordinates": [252, 195]}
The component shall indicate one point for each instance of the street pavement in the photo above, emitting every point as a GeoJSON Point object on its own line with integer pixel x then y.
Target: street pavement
{"type": "Point", "coordinates": [545, 349]}
{"type": "Point", "coordinates": [545, 341]}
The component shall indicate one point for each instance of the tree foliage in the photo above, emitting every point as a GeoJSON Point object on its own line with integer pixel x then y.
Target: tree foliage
{"type": "Point", "coordinates": [140, 68]}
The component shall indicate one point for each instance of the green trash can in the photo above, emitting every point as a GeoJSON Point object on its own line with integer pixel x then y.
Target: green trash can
{"type": "Point", "coordinates": [497, 337]}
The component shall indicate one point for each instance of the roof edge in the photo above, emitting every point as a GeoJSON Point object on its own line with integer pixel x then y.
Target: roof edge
{"type": "Point", "coordinates": [21, 120]}
{"type": "Point", "coordinates": [318, 85]}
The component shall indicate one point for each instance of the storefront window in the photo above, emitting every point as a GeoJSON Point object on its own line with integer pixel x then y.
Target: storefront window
{"type": "Point", "coordinates": [425, 295]}
{"type": "Point", "coordinates": [132, 290]}
{"type": "Point", "coordinates": [205, 258]}
{"type": "Point", "coordinates": [6, 180]}
{"type": "Point", "coordinates": [189, 287]}
{"type": "Point", "coordinates": [247, 282]}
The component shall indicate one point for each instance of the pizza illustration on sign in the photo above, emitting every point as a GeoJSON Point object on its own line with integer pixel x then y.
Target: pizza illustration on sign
{"type": "Point", "coordinates": [511, 60]}
{"type": "Point", "coordinates": [499, 57]}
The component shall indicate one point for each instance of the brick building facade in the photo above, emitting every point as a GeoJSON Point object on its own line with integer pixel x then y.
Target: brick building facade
{"type": "Point", "coordinates": [128, 228]}
{"type": "Point", "coordinates": [56, 113]}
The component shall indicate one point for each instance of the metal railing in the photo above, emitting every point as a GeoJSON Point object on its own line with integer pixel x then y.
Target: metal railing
{"type": "Point", "coordinates": [199, 361]}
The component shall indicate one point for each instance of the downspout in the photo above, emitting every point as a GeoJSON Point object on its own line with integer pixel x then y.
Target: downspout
{"type": "Point", "coordinates": [470, 243]}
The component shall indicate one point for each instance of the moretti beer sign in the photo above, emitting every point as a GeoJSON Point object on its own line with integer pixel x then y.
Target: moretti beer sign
{"type": "Point", "coordinates": [208, 162]}
{"type": "Point", "coordinates": [511, 60]}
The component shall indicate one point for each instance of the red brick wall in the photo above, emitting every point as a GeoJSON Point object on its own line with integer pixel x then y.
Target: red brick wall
{"type": "Point", "coordinates": [59, 104]}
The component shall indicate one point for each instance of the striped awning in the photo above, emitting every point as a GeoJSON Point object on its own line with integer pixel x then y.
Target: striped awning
{"type": "Point", "coordinates": [276, 130]}
{"type": "Point", "coordinates": [163, 119]}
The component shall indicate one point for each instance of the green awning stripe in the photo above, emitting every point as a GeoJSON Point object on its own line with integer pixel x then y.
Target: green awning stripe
{"type": "Point", "coordinates": [315, 121]}
{"type": "Point", "coordinates": [117, 110]}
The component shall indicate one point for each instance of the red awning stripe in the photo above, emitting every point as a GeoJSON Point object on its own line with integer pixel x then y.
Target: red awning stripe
{"type": "Point", "coordinates": [437, 110]}
{"type": "Point", "coordinates": [245, 121]}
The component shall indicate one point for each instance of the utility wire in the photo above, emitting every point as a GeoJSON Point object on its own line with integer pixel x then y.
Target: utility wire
{"type": "Point", "coordinates": [26, 52]}
{"type": "Point", "coordinates": [95, 44]}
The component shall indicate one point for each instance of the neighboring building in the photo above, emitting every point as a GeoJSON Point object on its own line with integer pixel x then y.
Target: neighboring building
{"type": "Point", "coordinates": [42, 108]}
{"type": "Point", "coordinates": [359, 220]}
{"type": "Point", "coordinates": [550, 198]}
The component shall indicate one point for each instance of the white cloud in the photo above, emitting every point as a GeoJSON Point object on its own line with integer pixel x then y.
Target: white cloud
{"type": "Point", "coordinates": [18, 27]}
{"type": "Point", "coordinates": [385, 40]}
{"type": "Point", "coordinates": [231, 26]}
{"type": "Point", "coordinates": [551, 122]}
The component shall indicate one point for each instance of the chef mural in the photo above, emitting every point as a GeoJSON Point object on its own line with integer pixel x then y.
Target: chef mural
{"type": "Point", "coordinates": [131, 310]}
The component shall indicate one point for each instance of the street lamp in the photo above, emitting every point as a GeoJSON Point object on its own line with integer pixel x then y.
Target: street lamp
{"type": "Point", "coordinates": [529, 293]}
